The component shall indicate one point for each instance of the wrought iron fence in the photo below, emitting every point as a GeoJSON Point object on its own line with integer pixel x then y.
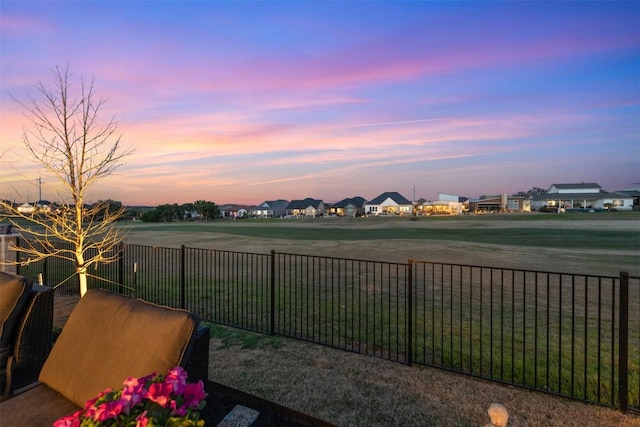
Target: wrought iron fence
{"type": "Point", "coordinates": [567, 334]}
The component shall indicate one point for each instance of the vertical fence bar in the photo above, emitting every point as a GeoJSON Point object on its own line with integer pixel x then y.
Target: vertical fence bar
{"type": "Point", "coordinates": [623, 345]}
{"type": "Point", "coordinates": [409, 356]}
{"type": "Point", "coordinates": [121, 268]}
{"type": "Point", "coordinates": [45, 270]}
{"type": "Point", "coordinates": [272, 327]}
{"type": "Point", "coordinates": [183, 275]}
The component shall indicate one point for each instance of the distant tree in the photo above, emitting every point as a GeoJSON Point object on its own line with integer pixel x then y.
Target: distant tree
{"type": "Point", "coordinates": [534, 191]}
{"type": "Point", "coordinates": [207, 210]}
{"type": "Point", "coordinates": [169, 212]}
{"type": "Point", "coordinates": [104, 207]}
{"type": "Point", "coordinates": [187, 210]}
{"type": "Point", "coordinates": [68, 139]}
{"type": "Point", "coordinates": [150, 216]}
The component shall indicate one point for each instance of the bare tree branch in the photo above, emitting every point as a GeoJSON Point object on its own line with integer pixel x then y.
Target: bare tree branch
{"type": "Point", "coordinates": [68, 139]}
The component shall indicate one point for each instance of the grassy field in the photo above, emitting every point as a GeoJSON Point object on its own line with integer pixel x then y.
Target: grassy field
{"type": "Point", "coordinates": [601, 244]}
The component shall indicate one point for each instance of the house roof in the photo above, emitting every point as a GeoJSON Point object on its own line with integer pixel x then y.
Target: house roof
{"type": "Point", "coordinates": [393, 195]}
{"type": "Point", "coordinates": [303, 204]}
{"type": "Point", "coordinates": [580, 186]}
{"type": "Point", "coordinates": [580, 196]}
{"type": "Point", "coordinates": [232, 207]}
{"type": "Point", "coordinates": [630, 193]}
{"type": "Point", "coordinates": [357, 202]}
{"type": "Point", "coordinates": [274, 203]}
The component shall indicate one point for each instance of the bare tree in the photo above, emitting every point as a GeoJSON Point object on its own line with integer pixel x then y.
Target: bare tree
{"type": "Point", "coordinates": [68, 140]}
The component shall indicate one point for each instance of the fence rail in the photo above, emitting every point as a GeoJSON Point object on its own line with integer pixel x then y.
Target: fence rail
{"type": "Point", "coordinates": [567, 334]}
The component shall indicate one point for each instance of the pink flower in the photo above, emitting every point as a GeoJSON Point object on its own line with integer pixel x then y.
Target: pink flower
{"type": "Point", "coordinates": [133, 394]}
{"type": "Point", "coordinates": [72, 420]}
{"type": "Point", "coordinates": [174, 396]}
{"type": "Point", "coordinates": [177, 377]}
{"type": "Point", "coordinates": [142, 420]}
{"type": "Point", "coordinates": [132, 382]}
{"type": "Point", "coordinates": [90, 402]}
{"type": "Point", "coordinates": [194, 394]}
{"type": "Point", "coordinates": [160, 393]}
{"type": "Point", "coordinates": [108, 410]}
{"type": "Point", "coordinates": [179, 412]}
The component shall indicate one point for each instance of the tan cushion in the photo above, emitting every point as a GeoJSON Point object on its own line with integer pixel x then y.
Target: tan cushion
{"type": "Point", "coordinates": [108, 338]}
{"type": "Point", "coordinates": [14, 294]}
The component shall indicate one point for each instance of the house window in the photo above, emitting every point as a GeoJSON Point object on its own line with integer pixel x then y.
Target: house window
{"type": "Point", "coordinates": [513, 205]}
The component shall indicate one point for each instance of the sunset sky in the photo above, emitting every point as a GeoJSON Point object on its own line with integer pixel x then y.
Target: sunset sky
{"type": "Point", "coordinates": [241, 102]}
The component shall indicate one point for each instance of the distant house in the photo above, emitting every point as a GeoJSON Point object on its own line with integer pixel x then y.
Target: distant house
{"type": "Point", "coordinates": [235, 211]}
{"type": "Point", "coordinates": [307, 207]}
{"type": "Point", "coordinates": [581, 197]}
{"type": "Point", "coordinates": [499, 203]}
{"type": "Point", "coordinates": [634, 193]}
{"type": "Point", "coordinates": [389, 203]}
{"type": "Point", "coordinates": [350, 207]}
{"type": "Point", "coordinates": [271, 209]}
{"type": "Point", "coordinates": [26, 208]}
{"type": "Point", "coordinates": [447, 204]}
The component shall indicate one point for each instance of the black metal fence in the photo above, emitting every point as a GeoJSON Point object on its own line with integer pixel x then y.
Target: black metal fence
{"type": "Point", "coordinates": [567, 334]}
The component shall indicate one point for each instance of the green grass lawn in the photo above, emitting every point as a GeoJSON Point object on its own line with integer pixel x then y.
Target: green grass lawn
{"type": "Point", "coordinates": [477, 229]}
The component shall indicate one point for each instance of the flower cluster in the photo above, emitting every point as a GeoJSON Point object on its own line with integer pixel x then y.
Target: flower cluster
{"type": "Point", "coordinates": [162, 400]}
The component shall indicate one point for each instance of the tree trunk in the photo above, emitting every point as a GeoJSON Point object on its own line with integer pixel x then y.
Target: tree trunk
{"type": "Point", "coordinates": [83, 281]}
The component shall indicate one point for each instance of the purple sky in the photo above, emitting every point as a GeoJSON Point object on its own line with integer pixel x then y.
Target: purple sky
{"type": "Point", "coordinates": [241, 102]}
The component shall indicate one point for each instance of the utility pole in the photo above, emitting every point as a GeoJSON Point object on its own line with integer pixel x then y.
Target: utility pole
{"type": "Point", "coordinates": [39, 188]}
{"type": "Point", "coordinates": [413, 204]}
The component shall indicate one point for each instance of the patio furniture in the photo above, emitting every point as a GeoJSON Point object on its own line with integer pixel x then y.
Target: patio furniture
{"type": "Point", "coordinates": [26, 322]}
{"type": "Point", "coordinates": [107, 338]}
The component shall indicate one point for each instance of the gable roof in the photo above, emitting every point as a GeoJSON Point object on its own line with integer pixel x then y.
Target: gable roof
{"type": "Point", "coordinates": [393, 195]}
{"type": "Point", "coordinates": [357, 202]}
{"type": "Point", "coordinates": [580, 186]}
{"type": "Point", "coordinates": [274, 203]}
{"type": "Point", "coordinates": [303, 204]}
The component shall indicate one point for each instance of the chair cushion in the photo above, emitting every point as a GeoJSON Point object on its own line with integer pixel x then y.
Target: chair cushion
{"type": "Point", "coordinates": [109, 337]}
{"type": "Point", "coordinates": [39, 406]}
{"type": "Point", "coordinates": [14, 294]}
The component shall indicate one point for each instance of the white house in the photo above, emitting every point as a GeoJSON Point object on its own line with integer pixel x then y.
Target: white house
{"type": "Point", "coordinates": [447, 204]}
{"type": "Point", "coordinates": [581, 197]}
{"type": "Point", "coordinates": [390, 203]}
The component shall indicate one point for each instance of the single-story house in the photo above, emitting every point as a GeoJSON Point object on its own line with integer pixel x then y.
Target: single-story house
{"type": "Point", "coordinates": [499, 203]}
{"type": "Point", "coordinates": [307, 207]}
{"type": "Point", "coordinates": [389, 203]}
{"type": "Point", "coordinates": [634, 193]}
{"type": "Point", "coordinates": [271, 209]}
{"type": "Point", "coordinates": [447, 204]}
{"type": "Point", "coordinates": [581, 197]}
{"type": "Point", "coordinates": [351, 207]}
{"type": "Point", "coordinates": [235, 211]}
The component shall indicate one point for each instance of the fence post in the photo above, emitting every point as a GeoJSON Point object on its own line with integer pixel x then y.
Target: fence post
{"type": "Point", "coordinates": [623, 344]}
{"type": "Point", "coordinates": [410, 312]}
{"type": "Point", "coordinates": [272, 326]}
{"type": "Point", "coordinates": [182, 277]}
